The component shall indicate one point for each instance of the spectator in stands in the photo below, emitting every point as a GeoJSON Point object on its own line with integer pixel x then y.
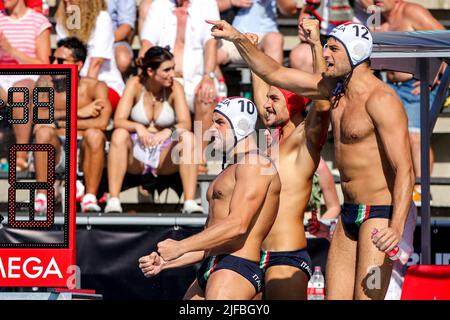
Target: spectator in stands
{"type": "Point", "coordinates": [24, 39]}
{"type": "Point", "coordinates": [123, 15]}
{"type": "Point", "coordinates": [330, 13]}
{"type": "Point", "coordinates": [258, 17]}
{"type": "Point", "coordinates": [96, 30]}
{"type": "Point", "coordinates": [181, 25]}
{"type": "Point", "coordinates": [94, 112]}
{"type": "Point", "coordinates": [152, 109]}
{"type": "Point", "coordinates": [144, 5]}
{"type": "Point", "coordinates": [399, 15]}
{"type": "Point", "coordinates": [40, 6]}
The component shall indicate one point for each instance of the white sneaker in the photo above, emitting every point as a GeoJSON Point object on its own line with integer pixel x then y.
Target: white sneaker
{"type": "Point", "coordinates": [190, 206]}
{"type": "Point", "coordinates": [113, 205]}
{"type": "Point", "coordinates": [80, 191]}
{"type": "Point", "coordinates": [40, 204]}
{"type": "Point", "coordinates": [89, 203]}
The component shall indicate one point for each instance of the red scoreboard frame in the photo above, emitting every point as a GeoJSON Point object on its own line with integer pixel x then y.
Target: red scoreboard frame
{"type": "Point", "coordinates": [36, 264]}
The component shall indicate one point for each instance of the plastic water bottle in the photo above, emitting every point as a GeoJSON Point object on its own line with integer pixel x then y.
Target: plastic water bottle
{"type": "Point", "coordinates": [222, 91]}
{"type": "Point", "coordinates": [316, 285]}
{"type": "Point", "coordinates": [401, 252]}
{"type": "Point", "coordinates": [4, 166]}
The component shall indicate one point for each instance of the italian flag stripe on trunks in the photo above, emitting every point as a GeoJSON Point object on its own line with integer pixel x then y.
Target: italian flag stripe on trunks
{"type": "Point", "coordinates": [264, 259]}
{"type": "Point", "coordinates": [211, 266]}
{"type": "Point", "coordinates": [363, 214]}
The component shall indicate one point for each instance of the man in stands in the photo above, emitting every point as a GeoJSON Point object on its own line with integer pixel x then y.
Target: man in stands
{"type": "Point", "coordinates": [94, 111]}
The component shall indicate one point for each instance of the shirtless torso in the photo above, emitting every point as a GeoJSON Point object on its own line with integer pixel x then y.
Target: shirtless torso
{"type": "Point", "coordinates": [220, 193]}
{"type": "Point", "coordinates": [88, 92]}
{"type": "Point", "coordinates": [360, 155]}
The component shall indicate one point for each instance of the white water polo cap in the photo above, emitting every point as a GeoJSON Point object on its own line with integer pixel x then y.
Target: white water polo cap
{"type": "Point", "coordinates": [241, 114]}
{"type": "Point", "coordinates": [357, 40]}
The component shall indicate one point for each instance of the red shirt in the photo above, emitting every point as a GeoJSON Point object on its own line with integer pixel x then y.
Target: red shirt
{"type": "Point", "coordinates": [33, 4]}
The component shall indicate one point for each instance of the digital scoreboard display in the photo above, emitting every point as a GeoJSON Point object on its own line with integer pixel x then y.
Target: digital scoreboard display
{"type": "Point", "coordinates": [38, 248]}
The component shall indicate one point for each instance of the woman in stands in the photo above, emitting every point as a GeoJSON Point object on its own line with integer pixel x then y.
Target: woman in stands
{"type": "Point", "coordinates": [24, 39]}
{"type": "Point", "coordinates": [152, 111]}
{"type": "Point", "coordinates": [94, 27]}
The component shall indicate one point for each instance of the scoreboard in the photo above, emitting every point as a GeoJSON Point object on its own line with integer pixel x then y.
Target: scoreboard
{"type": "Point", "coordinates": [49, 260]}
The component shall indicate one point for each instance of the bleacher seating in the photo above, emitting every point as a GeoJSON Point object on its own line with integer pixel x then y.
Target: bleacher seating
{"type": "Point", "coordinates": [288, 26]}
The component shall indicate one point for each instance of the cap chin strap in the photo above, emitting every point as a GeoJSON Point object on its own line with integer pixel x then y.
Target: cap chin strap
{"type": "Point", "coordinates": [236, 141]}
{"type": "Point", "coordinates": [340, 86]}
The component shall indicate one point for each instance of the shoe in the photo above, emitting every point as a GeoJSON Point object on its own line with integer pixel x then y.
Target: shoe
{"type": "Point", "coordinates": [80, 191]}
{"type": "Point", "coordinates": [40, 204]}
{"type": "Point", "coordinates": [190, 206]}
{"type": "Point", "coordinates": [417, 198]}
{"type": "Point", "coordinates": [113, 205]}
{"type": "Point", "coordinates": [104, 198]}
{"type": "Point", "coordinates": [89, 203]}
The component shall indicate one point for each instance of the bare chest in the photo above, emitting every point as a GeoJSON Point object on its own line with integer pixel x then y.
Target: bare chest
{"type": "Point", "coordinates": [222, 187]}
{"type": "Point", "coordinates": [397, 22]}
{"type": "Point", "coordinates": [351, 122]}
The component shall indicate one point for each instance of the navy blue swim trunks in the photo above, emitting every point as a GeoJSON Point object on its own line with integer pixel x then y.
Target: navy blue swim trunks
{"type": "Point", "coordinates": [353, 216]}
{"type": "Point", "coordinates": [248, 269]}
{"type": "Point", "coordinates": [298, 258]}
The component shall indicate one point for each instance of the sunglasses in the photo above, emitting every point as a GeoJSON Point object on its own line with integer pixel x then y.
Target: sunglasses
{"type": "Point", "coordinates": [60, 60]}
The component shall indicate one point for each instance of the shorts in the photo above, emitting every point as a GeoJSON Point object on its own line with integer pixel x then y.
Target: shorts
{"type": "Point", "coordinates": [248, 269]}
{"type": "Point", "coordinates": [152, 158]}
{"type": "Point", "coordinates": [411, 102]}
{"type": "Point", "coordinates": [354, 215]}
{"type": "Point", "coordinates": [113, 98]}
{"type": "Point", "coordinates": [126, 44]}
{"type": "Point", "coordinates": [8, 81]}
{"type": "Point", "coordinates": [299, 259]}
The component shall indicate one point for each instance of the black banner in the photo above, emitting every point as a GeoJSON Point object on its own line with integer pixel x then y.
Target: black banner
{"type": "Point", "coordinates": [108, 258]}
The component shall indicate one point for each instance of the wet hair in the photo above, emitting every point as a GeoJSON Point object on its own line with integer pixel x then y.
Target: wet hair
{"type": "Point", "coordinates": [78, 48]}
{"type": "Point", "coordinates": [152, 59]}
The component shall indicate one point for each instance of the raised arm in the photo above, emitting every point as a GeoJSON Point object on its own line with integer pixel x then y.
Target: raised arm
{"type": "Point", "coordinates": [260, 88]}
{"type": "Point", "coordinates": [311, 30]}
{"type": "Point", "coordinates": [250, 188]}
{"type": "Point", "coordinates": [268, 69]}
{"type": "Point", "coordinates": [393, 130]}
